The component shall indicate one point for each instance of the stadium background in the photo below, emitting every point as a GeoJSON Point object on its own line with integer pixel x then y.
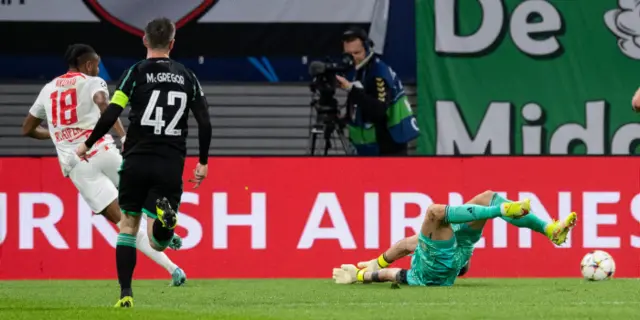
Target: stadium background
{"type": "Point", "coordinates": [555, 111]}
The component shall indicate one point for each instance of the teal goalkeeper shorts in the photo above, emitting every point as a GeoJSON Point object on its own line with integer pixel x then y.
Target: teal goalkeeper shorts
{"type": "Point", "coordinates": [438, 262]}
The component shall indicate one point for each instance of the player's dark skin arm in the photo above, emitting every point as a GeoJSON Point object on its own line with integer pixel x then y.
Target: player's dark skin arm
{"type": "Point", "coordinates": [100, 99]}
{"type": "Point", "coordinates": [106, 122]}
{"type": "Point", "coordinates": [373, 109]}
{"type": "Point", "coordinates": [200, 109]}
{"type": "Point", "coordinates": [31, 128]}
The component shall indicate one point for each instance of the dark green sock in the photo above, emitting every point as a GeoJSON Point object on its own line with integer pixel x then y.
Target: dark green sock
{"type": "Point", "coordinates": [125, 262]}
{"type": "Point", "coordinates": [470, 212]}
{"type": "Point", "coordinates": [530, 221]}
{"type": "Point", "coordinates": [161, 235]}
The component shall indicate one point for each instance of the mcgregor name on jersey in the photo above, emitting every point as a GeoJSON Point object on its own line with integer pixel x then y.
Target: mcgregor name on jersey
{"type": "Point", "coordinates": [165, 77]}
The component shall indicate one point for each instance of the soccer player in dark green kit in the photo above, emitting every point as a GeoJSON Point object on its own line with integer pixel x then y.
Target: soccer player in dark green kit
{"type": "Point", "coordinates": [161, 92]}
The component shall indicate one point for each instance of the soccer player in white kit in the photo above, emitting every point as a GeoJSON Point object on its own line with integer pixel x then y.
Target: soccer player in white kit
{"type": "Point", "coordinates": [72, 104]}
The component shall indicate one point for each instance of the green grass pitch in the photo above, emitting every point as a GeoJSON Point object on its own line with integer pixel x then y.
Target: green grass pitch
{"type": "Point", "coordinates": [321, 299]}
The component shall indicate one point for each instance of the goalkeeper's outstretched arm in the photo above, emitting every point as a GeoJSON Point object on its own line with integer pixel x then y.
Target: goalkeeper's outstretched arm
{"type": "Point", "coordinates": [399, 250]}
{"type": "Point", "coordinates": [385, 275]}
{"type": "Point", "coordinates": [376, 270]}
{"type": "Point", "coordinates": [348, 273]}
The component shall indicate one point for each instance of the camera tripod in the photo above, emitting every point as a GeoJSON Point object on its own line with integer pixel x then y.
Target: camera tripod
{"type": "Point", "coordinates": [327, 120]}
{"type": "Point", "coordinates": [326, 130]}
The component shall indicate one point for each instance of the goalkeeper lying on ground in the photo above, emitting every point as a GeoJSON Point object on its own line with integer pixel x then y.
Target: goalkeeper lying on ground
{"type": "Point", "coordinates": [444, 246]}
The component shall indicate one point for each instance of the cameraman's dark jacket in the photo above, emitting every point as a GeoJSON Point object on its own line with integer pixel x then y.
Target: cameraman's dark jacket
{"type": "Point", "coordinates": [380, 119]}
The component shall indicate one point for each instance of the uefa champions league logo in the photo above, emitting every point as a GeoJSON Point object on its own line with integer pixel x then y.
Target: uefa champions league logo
{"type": "Point", "coordinates": [624, 22]}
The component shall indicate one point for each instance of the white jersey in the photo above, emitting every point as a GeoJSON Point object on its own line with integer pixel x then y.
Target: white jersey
{"type": "Point", "coordinates": [67, 104]}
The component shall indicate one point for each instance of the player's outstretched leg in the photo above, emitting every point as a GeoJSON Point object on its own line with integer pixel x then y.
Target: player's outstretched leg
{"type": "Point", "coordinates": [126, 258]}
{"type": "Point", "coordinates": [471, 212]}
{"type": "Point", "coordinates": [556, 231]}
{"type": "Point", "coordinates": [178, 277]}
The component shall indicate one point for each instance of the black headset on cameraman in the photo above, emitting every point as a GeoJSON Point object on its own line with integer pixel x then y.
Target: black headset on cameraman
{"type": "Point", "coordinates": [364, 37]}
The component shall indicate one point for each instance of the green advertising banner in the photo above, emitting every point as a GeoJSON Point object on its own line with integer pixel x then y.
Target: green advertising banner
{"type": "Point", "coordinates": [528, 77]}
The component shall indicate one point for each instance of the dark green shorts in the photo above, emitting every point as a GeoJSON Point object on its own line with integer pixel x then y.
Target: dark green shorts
{"type": "Point", "coordinates": [145, 179]}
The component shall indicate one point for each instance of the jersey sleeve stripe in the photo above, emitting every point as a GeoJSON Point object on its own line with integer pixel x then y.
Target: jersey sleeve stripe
{"type": "Point", "coordinates": [120, 99]}
{"type": "Point", "coordinates": [124, 81]}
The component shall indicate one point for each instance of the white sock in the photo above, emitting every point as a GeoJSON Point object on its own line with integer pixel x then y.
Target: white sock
{"type": "Point", "coordinates": [142, 243]}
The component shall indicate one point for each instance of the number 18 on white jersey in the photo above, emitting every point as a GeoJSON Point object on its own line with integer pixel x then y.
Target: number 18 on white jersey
{"type": "Point", "coordinates": [67, 104]}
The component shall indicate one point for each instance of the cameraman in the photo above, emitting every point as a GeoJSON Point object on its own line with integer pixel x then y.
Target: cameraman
{"type": "Point", "coordinates": [379, 116]}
